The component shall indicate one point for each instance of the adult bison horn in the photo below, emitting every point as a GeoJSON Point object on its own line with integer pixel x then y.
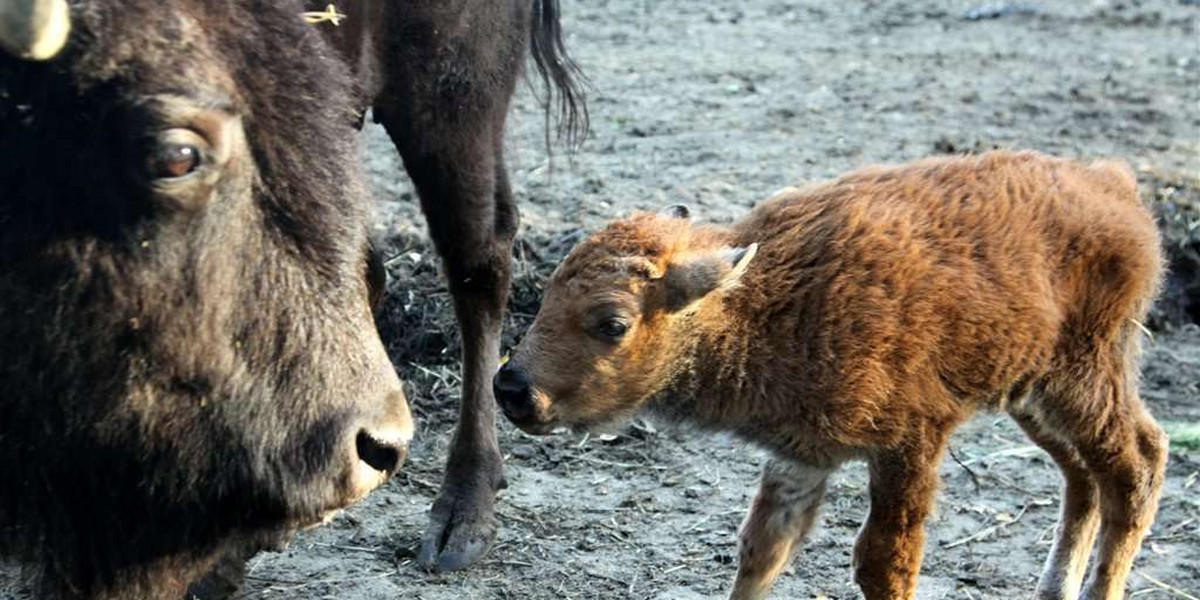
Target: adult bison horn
{"type": "Point", "coordinates": [34, 29]}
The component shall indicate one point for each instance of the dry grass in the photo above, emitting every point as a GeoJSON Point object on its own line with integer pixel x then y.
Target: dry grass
{"type": "Point", "coordinates": [417, 320]}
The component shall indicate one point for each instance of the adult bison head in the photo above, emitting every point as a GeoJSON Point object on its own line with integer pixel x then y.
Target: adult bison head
{"type": "Point", "coordinates": [187, 353]}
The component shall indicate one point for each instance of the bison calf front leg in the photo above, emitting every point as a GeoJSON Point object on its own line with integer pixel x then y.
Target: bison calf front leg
{"type": "Point", "coordinates": [887, 556]}
{"type": "Point", "coordinates": [782, 515]}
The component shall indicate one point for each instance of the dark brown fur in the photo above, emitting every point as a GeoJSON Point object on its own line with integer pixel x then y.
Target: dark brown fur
{"type": "Point", "coordinates": [879, 312]}
{"type": "Point", "coordinates": [188, 367]}
{"type": "Point", "coordinates": [185, 365]}
{"type": "Point", "coordinates": [439, 76]}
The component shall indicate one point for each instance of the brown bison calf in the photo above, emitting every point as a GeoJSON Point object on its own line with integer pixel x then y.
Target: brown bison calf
{"type": "Point", "coordinates": [865, 319]}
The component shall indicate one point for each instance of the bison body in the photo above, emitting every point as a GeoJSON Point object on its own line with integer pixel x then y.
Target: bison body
{"type": "Point", "coordinates": [864, 319]}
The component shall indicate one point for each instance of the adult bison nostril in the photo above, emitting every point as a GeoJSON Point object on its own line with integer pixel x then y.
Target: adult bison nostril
{"type": "Point", "coordinates": [381, 454]}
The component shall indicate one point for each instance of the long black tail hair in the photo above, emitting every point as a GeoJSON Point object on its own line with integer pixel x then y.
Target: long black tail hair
{"type": "Point", "coordinates": [565, 83]}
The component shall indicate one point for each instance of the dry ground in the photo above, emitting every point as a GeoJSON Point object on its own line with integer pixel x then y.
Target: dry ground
{"type": "Point", "coordinates": [717, 104]}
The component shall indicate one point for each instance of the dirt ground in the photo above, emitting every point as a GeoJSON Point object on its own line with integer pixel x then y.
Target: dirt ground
{"type": "Point", "coordinates": [717, 104]}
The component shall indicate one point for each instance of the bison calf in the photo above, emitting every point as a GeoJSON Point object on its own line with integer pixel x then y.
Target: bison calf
{"type": "Point", "coordinates": [865, 319]}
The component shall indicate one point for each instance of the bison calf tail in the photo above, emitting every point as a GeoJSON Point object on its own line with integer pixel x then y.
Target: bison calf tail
{"type": "Point", "coordinates": [559, 73]}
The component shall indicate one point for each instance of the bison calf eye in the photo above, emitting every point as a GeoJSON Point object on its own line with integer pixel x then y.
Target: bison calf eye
{"type": "Point", "coordinates": [612, 329]}
{"type": "Point", "coordinates": [171, 161]}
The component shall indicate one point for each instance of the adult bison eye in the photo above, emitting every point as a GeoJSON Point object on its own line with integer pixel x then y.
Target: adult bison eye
{"type": "Point", "coordinates": [172, 161]}
{"type": "Point", "coordinates": [174, 154]}
{"type": "Point", "coordinates": [612, 329]}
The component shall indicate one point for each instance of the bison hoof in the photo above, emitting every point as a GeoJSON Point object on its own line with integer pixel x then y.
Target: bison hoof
{"type": "Point", "coordinates": [461, 531]}
{"type": "Point", "coordinates": [462, 524]}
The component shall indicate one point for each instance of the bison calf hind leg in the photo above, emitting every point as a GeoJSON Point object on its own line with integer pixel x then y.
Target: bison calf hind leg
{"type": "Point", "coordinates": [1093, 403]}
{"type": "Point", "coordinates": [781, 516]}
{"type": "Point", "coordinates": [1078, 522]}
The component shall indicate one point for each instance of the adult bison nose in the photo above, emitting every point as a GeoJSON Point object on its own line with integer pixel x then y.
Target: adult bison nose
{"type": "Point", "coordinates": [381, 446]}
{"type": "Point", "coordinates": [382, 452]}
{"type": "Point", "coordinates": [514, 392]}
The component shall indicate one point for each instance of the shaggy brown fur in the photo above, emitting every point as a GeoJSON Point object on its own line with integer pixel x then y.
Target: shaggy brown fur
{"type": "Point", "coordinates": [188, 362]}
{"type": "Point", "coordinates": [439, 76]}
{"type": "Point", "coordinates": [864, 319]}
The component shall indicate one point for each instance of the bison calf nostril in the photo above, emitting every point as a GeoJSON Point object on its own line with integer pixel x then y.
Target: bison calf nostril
{"type": "Point", "coordinates": [381, 455]}
{"type": "Point", "coordinates": [511, 379]}
{"type": "Point", "coordinates": [514, 393]}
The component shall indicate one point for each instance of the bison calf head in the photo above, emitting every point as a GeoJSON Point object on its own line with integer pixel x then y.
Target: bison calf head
{"type": "Point", "coordinates": [187, 352]}
{"type": "Point", "coordinates": [618, 322]}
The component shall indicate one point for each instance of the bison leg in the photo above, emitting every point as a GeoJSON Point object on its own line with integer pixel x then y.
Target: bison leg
{"type": "Point", "coordinates": [1130, 480]}
{"type": "Point", "coordinates": [887, 556]}
{"type": "Point", "coordinates": [781, 516]}
{"type": "Point", "coordinates": [458, 168]}
{"type": "Point", "coordinates": [1096, 407]}
{"type": "Point", "coordinates": [1077, 524]}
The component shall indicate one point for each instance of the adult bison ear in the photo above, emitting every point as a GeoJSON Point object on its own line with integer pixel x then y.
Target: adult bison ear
{"type": "Point", "coordinates": [34, 29]}
{"type": "Point", "coordinates": [698, 274]}
{"type": "Point", "coordinates": [676, 211]}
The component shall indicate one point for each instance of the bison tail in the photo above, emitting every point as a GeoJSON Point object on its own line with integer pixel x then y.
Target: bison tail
{"type": "Point", "coordinates": [564, 81]}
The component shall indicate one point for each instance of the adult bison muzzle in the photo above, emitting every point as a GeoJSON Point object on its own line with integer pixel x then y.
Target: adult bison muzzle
{"type": "Point", "coordinates": [188, 360]}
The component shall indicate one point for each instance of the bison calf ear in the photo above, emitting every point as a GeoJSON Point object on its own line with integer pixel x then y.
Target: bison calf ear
{"type": "Point", "coordinates": [676, 211]}
{"type": "Point", "coordinates": [698, 274]}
